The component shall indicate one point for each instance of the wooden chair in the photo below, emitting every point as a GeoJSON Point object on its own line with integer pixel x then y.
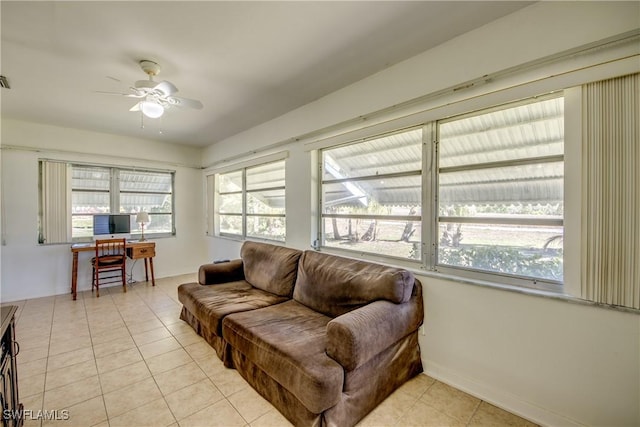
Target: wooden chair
{"type": "Point", "coordinates": [111, 255]}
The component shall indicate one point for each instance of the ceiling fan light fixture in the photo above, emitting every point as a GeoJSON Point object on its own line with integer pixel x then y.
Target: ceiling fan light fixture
{"type": "Point", "coordinates": [151, 109]}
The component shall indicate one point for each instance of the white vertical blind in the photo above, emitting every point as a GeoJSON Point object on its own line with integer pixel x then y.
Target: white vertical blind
{"type": "Point", "coordinates": [611, 198]}
{"type": "Point", "coordinates": [56, 202]}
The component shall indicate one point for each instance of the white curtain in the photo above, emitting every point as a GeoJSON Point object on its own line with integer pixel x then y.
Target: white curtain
{"type": "Point", "coordinates": [56, 202]}
{"type": "Point", "coordinates": [611, 198]}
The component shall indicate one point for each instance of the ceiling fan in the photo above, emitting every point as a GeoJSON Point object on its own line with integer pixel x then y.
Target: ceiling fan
{"type": "Point", "coordinates": [155, 97]}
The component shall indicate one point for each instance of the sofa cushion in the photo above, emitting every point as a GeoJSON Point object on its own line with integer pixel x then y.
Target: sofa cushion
{"type": "Point", "coordinates": [269, 267]}
{"type": "Point", "coordinates": [288, 342]}
{"type": "Point", "coordinates": [334, 285]}
{"type": "Point", "coordinates": [210, 304]}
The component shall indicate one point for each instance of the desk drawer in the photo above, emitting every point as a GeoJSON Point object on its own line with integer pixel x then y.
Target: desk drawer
{"type": "Point", "coordinates": [141, 252]}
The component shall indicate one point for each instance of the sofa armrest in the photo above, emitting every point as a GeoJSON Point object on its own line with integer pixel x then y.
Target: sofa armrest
{"type": "Point", "coordinates": [211, 274]}
{"type": "Point", "coordinates": [357, 336]}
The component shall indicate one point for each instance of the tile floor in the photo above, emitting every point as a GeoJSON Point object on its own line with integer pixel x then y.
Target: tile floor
{"type": "Point", "coordinates": [126, 359]}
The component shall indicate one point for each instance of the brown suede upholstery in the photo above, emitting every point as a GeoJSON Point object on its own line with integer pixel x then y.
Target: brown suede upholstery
{"type": "Point", "coordinates": [325, 339]}
{"type": "Point", "coordinates": [273, 270]}
{"type": "Point", "coordinates": [333, 285]}
{"type": "Point", "coordinates": [287, 341]}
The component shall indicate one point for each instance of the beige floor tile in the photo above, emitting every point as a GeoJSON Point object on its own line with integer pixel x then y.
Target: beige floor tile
{"type": "Point", "coordinates": [153, 335]}
{"type": "Point", "coordinates": [30, 385]}
{"type": "Point", "coordinates": [69, 395]}
{"type": "Point", "coordinates": [125, 399]}
{"type": "Point", "coordinates": [32, 405]}
{"type": "Point", "coordinates": [191, 399]}
{"type": "Point", "coordinates": [228, 381]}
{"type": "Point", "coordinates": [189, 338]}
{"type": "Point", "coordinates": [218, 414]}
{"type": "Point", "coordinates": [168, 361]}
{"type": "Point", "coordinates": [35, 367]}
{"type": "Point", "coordinates": [33, 341]}
{"type": "Point", "coordinates": [70, 374]}
{"type": "Point", "coordinates": [179, 377]}
{"type": "Point", "coordinates": [179, 328]}
{"type": "Point", "coordinates": [143, 326]}
{"type": "Point", "coordinates": [389, 411]}
{"type": "Point", "coordinates": [417, 385]}
{"type": "Point", "coordinates": [492, 416]}
{"type": "Point", "coordinates": [65, 346]}
{"type": "Point", "coordinates": [118, 360]}
{"type": "Point", "coordinates": [423, 415]}
{"type": "Point", "coordinates": [156, 348]}
{"type": "Point", "coordinates": [67, 359]}
{"type": "Point", "coordinates": [108, 335]}
{"type": "Point", "coordinates": [450, 401]}
{"type": "Point", "coordinates": [115, 346]}
{"type": "Point", "coordinates": [154, 414]}
{"type": "Point", "coordinates": [122, 377]}
{"type": "Point", "coordinates": [249, 404]}
{"type": "Point", "coordinates": [87, 413]}
{"type": "Point", "coordinates": [273, 418]}
{"type": "Point", "coordinates": [32, 354]}
{"type": "Point", "coordinates": [200, 350]}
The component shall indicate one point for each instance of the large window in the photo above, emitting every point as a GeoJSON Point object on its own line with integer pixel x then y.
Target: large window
{"type": "Point", "coordinates": [500, 191]}
{"type": "Point", "coordinates": [371, 195]}
{"type": "Point", "coordinates": [250, 202]}
{"type": "Point", "coordinates": [486, 200]}
{"type": "Point", "coordinates": [100, 189]}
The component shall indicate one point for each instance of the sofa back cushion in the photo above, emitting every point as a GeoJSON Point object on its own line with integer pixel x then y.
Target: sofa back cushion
{"type": "Point", "coordinates": [334, 285]}
{"type": "Point", "coordinates": [269, 267]}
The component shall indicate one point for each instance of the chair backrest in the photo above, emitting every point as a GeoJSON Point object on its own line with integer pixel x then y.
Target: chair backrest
{"type": "Point", "coordinates": [111, 247]}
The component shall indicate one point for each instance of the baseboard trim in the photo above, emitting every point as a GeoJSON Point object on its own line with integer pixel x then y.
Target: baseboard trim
{"type": "Point", "coordinates": [500, 398]}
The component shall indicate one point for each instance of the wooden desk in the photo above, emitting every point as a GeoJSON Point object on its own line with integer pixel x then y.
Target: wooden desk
{"type": "Point", "coordinates": [135, 250]}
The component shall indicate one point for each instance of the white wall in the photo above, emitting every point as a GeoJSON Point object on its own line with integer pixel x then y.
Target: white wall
{"type": "Point", "coordinates": [31, 270]}
{"type": "Point", "coordinates": [551, 361]}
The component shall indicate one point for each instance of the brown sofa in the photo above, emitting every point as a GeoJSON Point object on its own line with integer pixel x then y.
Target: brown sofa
{"type": "Point", "coordinates": [325, 339]}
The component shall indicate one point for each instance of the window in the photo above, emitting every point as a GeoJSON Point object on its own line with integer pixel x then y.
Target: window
{"type": "Point", "coordinates": [99, 189]}
{"type": "Point", "coordinates": [250, 202]}
{"type": "Point", "coordinates": [500, 191]}
{"type": "Point", "coordinates": [372, 197]}
{"type": "Point", "coordinates": [485, 198]}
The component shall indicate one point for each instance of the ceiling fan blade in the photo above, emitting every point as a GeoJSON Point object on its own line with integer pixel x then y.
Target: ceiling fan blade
{"type": "Point", "coordinates": [167, 88]}
{"type": "Point", "coordinates": [135, 107]}
{"type": "Point", "coordinates": [185, 102]}
{"type": "Point", "coordinates": [128, 95]}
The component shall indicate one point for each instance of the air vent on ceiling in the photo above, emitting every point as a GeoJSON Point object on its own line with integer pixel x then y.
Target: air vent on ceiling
{"type": "Point", "coordinates": [4, 83]}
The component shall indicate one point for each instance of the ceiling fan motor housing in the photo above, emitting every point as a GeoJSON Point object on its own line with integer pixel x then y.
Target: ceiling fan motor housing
{"type": "Point", "coordinates": [150, 67]}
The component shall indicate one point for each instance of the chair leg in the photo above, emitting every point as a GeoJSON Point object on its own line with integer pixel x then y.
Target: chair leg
{"type": "Point", "coordinates": [97, 277]}
{"type": "Point", "coordinates": [124, 279]}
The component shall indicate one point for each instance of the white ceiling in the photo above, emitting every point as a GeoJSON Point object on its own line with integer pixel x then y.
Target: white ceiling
{"type": "Point", "coordinates": [248, 62]}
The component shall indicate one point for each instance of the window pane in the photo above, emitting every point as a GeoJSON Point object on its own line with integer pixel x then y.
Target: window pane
{"type": "Point", "coordinates": [508, 167]}
{"type": "Point", "coordinates": [533, 190]}
{"type": "Point", "coordinates": [396, 153]}
{"type": "Point", "coordinates": [231, 224]}
{"type": "Point", "coordinates": [156, 182]}
{"type": "Point", "coordinates": [511, 249]}
{"type": "Point", "coordinates": [526, 131]}
{"type": "Point", "coordinates": [266, 227]}
{"type": "Point", "coordinates": [266, 202]}
{"type": "Point", "coordinates": [230, 203]}
{"type": "Point", "coordinates": [89, 202]}
{"type": "Point", "coordinates": [230, 182]}
{"type": "Point", "coordinates": [150, 203]}
{"type": "Point", "coordinates": [81, 226]}
{"type": "Point", "coordinates": [266, 176]}
{"type": "Point", "coordinates": [385, 196]}
{"type": "Point", "coordinates": [90, 178]}
{"type": "Point", "coordinates": [384, 237]}
{"type": "Point", "coordinates": [159, 223]}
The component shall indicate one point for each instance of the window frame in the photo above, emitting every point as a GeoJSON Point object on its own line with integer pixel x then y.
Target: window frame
{"type": "Point", "coordinates": [321, 242]}
{"type": "Point", "coordinates": [245, 192]}
{"type": "Point", "coordinates": [430, 218]}
{"type": "Point", "coordinates": [115, 191]}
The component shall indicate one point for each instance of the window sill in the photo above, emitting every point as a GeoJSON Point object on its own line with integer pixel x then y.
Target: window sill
{"type": "Point", "coordinates": [521, 290]}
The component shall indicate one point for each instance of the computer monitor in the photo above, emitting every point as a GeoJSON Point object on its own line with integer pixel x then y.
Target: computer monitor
{"type": "Point", "coordinates": [111, 226]}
